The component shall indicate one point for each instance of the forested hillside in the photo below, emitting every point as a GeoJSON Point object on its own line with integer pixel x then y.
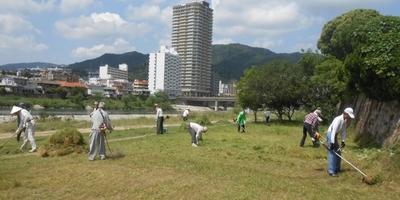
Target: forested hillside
{"type": "Point", "coordinates": [228, 60]}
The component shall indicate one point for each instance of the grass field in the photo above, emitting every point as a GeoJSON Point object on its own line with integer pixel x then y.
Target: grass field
{"type": "Point", "coordinates": [265, 163]}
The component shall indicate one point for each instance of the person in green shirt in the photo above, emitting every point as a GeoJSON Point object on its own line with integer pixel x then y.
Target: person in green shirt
{"type": "Point", "coordinates": [241, 120]}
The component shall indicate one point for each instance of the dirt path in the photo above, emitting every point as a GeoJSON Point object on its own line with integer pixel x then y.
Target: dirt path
{"type": "Point", "coordinates": [86, 130]}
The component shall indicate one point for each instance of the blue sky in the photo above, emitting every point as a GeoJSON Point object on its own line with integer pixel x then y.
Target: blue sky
{"type": "Point", "coordinates": [69, 31]}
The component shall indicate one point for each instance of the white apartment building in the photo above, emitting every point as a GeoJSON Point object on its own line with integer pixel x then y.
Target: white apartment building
{"type": "Point", "coordinates": [192, 25]}
{"type": "Point", "coordinates": [120, 74]}
{"type": "Point", "coordinates": [165, 72]}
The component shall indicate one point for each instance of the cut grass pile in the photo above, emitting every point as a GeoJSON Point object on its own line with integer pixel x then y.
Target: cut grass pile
{"type": "Point", "coordinates": [266, 163]}
{"type": "Point", "coordinates": [64, 142]}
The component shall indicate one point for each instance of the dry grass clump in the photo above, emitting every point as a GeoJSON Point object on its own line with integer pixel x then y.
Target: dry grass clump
{"type": "Point", "coordinates": [373, 179]}
{"type": "Point", "coordinates": [64, 142]}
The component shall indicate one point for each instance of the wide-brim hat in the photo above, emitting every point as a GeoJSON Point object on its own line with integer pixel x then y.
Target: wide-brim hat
{"type": "Point", "coordinates": [15, 109]}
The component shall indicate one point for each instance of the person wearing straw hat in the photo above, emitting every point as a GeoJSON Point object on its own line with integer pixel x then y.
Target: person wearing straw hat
{"type": "Point", "coordinates": [96, 107]}
{"type": "Point", "coordinates": [28, 123]}
{"type": "Point", "coordinates": [338, 126]}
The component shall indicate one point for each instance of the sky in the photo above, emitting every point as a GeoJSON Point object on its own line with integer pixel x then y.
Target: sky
{"type": "Point", "coordinates": [69, 31]}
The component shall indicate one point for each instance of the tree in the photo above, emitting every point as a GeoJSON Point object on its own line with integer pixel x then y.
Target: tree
{"type": "Point", "coordinates": [374, 66]}
{"type": "Point", "coordinates": [250, 89]}
{"type": "Point", "coordinates": [79, 71]}
{"type": "Point", "coordinates": [278, 85]}
{"type": "Point", "coordinates": [62, 92]}
{"type": "Point", "coordinates": [335, 38]}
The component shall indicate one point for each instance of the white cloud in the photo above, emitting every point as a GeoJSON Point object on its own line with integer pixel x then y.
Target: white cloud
{"type": "Point", "coordinates": [150, 12]}
{"type": "Point", "coordinates": [260, 18]}
{"type": "Point", "coordinates": [119, 46]}
{"type": "Point", "coordinates": [24, 43]}
{"type": "Point", "coordinates": [12, 24]}
{"type": "Point", "coordinates": [26, 7]}
{"type": "Point", "coordinates": [100, 26]}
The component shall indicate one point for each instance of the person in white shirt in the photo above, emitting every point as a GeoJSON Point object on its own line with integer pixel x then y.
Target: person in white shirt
{"type": "Point", "coordinates": [97, 135]}
{"type": "Point", "coordinates": [28, 124]}
{"type": "Point", "coordinates": [338, 126]}
{"type": "Point", "coordinates": [196, 131]}
{"type": "Point", "coordinates": [185, 114]}
{"type": "Point", "coordinates": [159, 119]}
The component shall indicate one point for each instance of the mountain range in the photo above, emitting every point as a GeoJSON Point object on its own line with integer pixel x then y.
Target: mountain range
{"type": "Point", "coordinates": [229, 61]}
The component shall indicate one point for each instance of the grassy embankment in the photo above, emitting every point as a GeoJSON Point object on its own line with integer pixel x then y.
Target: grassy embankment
{"type": "Point", "coordinates": [265, 163]}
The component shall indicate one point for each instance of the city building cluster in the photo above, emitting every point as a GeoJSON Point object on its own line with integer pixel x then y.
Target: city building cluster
{"type": "Point", "coordinates": [184, 70]}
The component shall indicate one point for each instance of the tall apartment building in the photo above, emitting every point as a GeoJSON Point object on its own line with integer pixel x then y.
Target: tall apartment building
{"type": "Point", "coordinates": [192, 38]}
{"type": "Point", "coordinates": [165, 72]}
{"type": "Point", "coordinates": [120, 73]}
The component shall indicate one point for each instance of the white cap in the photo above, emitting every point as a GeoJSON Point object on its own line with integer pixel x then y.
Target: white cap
{"type": "Point", "coordinates": [102, 105]}
{"type": "Point", "coordinates": [205, 129]}
{"type": "Point", "coordinates": [15, 109]}
{"type": "Point", "coordinates": [349, 111]}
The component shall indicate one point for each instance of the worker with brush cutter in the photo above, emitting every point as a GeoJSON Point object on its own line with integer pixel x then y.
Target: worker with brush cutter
{"type": "Point", "coordinates": [241, 121]}
{"type": "Point", "coordinates": [26, 125]}
{"type": "Point", "coordinates": [21, 105]}
{"type": "Point", "coordinates": [159, 119]}
{"type": "Point", "coordinates": [310, 126]}
{"type": "Point", "coordinates": [100, 123]}
{"type": "Point", "coordinates": [338, 126]}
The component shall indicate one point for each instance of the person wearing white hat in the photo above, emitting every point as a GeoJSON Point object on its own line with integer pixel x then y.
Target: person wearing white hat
{"type": "Point", "coordinates": [338, 126]}
{"type": "Point", "coordinates": [196, 131]}
{"type": "Point", "coordinates": [27, 122]}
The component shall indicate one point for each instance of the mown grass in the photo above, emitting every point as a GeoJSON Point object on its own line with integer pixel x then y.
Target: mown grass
{"type": "Point", "coordinates": [265, 163]}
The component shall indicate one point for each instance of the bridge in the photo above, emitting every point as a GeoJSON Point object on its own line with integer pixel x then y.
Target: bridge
{"type": "Point", "coordinates": [225, 102]}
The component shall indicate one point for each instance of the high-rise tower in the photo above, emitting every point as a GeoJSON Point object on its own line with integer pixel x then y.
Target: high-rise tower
{"type": "Point", "coordinates": [192, 38]}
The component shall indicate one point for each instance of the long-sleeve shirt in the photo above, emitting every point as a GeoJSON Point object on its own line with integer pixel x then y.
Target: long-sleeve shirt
{"type": "Point", "coordinates": [185, 113]}
{"type": "Point", "coordinates": [338, 126]}
{"type": "Point", "coordinates": [311, 119]}
{"type": "Point", "coordinates": [241, 118]}
{"type": "Point", "coordinates": [99, 116]}
{"type": "Point", "coordinates": [25, 117]}
{"type": "Point", "coordinates": [159, 113]}
{"type": "Point", "coordinates": [196, 127]}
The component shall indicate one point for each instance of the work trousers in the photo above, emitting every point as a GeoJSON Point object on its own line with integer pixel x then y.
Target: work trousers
{"type": "Point", "coordinates": [192, 133]}
{"type": "Point", "coordinates": [29, 135]}
{"type": "Point", "coordinates": [307, 129]}
{"type": "Point", "coordinates": [160, 125]}
{"type": "Point", "coordinates": [97, 143]}
{"type": "Point", "coordinates": [334, 160]}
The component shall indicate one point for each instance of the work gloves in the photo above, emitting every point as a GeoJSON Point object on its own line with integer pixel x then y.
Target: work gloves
{"type": "Point", "coordinates": [343, 145]}
{"type": "Point", "coordinates": [332, 146]}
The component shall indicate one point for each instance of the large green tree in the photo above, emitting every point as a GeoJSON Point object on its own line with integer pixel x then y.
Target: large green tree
{"type": "Point", "coordinates": [278, 85]}
{"type": "Point", "coordinates": [374, 65]}
{"type": "Point", "coordinates": [251, 89]}
{"type": "Point", "coordinates": [335, 37]}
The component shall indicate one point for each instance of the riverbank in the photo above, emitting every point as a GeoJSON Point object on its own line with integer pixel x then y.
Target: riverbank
{"type": "Point", "coordinates": [85, 117]}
